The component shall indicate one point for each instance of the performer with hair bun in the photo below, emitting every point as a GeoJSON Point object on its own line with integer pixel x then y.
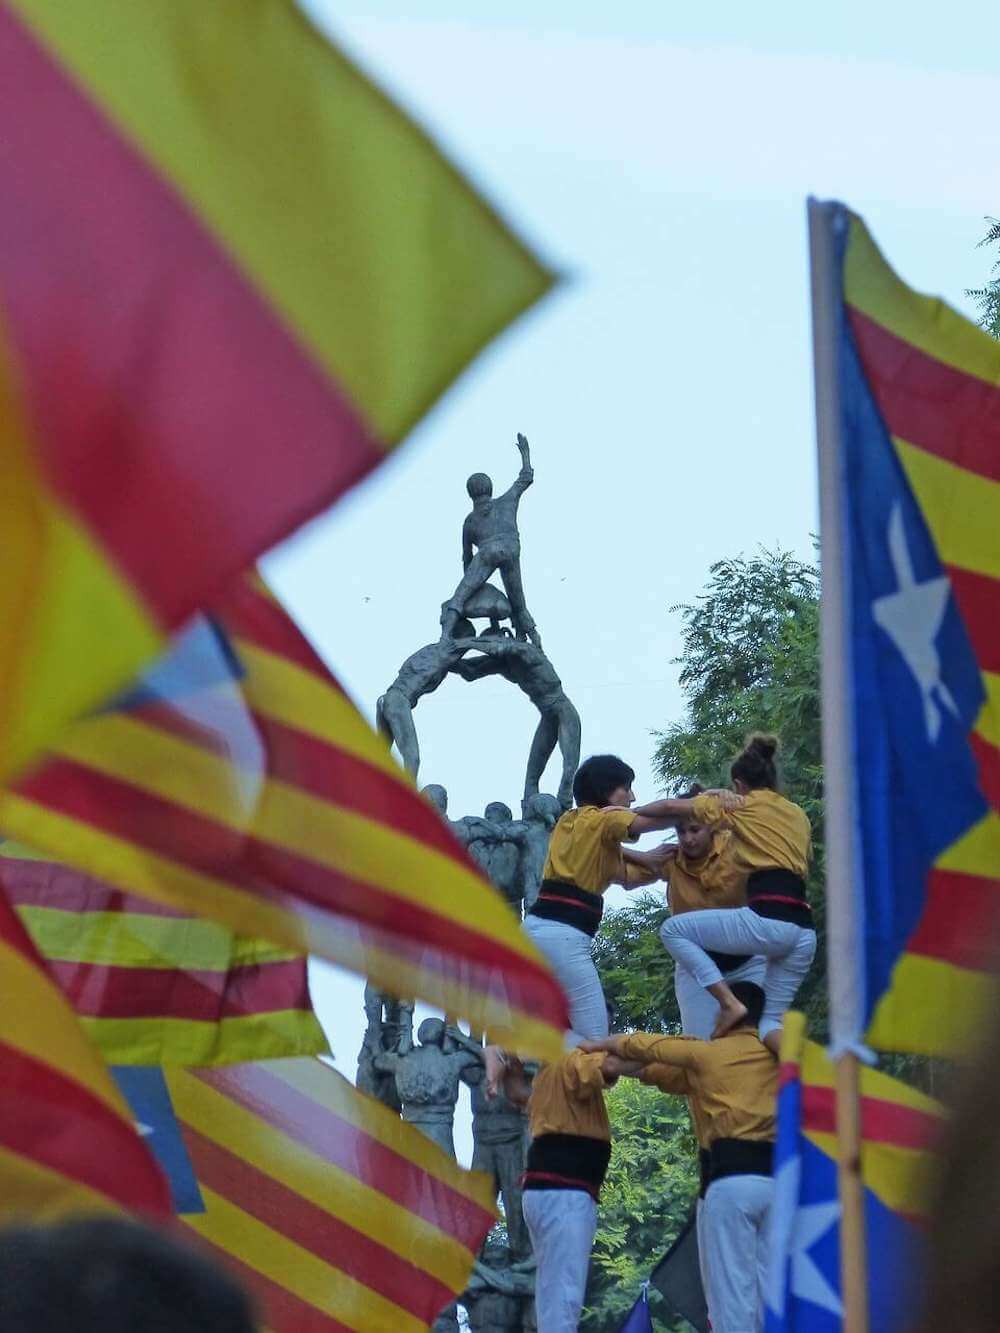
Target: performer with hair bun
{"type": "Point", "coordinates": [772, 843]}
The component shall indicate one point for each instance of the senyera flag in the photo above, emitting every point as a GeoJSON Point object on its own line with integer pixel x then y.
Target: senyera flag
{"type": "Point", "coordinates": [67, 1141]}
{"type": "Point", "coordinates": [238, 782]}
{"type": "Point", "coordinates": [334, 1212]}
{"type": "Point", "coordinates": [909, 405]}
{"type": "Point", "coordinates": [900, 1132]}
{"type": "Point", "coordinates": [152, 985]}
{"type": "Point", "coordinates": [232, 276]}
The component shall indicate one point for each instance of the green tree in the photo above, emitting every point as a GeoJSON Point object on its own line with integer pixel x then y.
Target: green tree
{"type": "Point", "coordinates": [988, 296]}
{"type": "Point", "coordinates": [650, 1190]}
{"type": "Point", "coordinates": [636, 971]}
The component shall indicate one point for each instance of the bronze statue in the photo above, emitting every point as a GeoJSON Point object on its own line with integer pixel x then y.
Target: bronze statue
{"type": "Point", "coordinates": [390, 1028]}
{"type": "Point", "coordinates": [499, 1136]}
{"type": "Point", "coordinates": [527, 667]}
{"type": "Point", "coordinates": [428, 1076]}
{"type": "Point", "coordinates": [490, 542]}
{"type": "Point", "coordinates": [500, 859]}
{"type": "Point", "coordinates": [421, 673]}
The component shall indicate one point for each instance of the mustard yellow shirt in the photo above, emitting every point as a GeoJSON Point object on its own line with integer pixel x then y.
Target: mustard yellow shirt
{"type": "Point", "coordinates": [586, 847]}
{"type": "Point", "coordinates": [714, 881]}
{"type": "Point", "coordinates": [769, 832]}
{"type": "Point", "coordinates": [733, 1080]}
{"type": "Point", "coordinates": [670, 1079]}
{"type": "Point", "coordinates": [567, 1097]}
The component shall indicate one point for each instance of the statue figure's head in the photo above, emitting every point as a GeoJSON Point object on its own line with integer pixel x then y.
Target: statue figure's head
{"type": "Point", "coordinates": [496, 1252]}
{"type": "Point", "coordinates": [437, 796]}
{"type": "Point", "coordinates": [498, 813]}
{"type": "Point", "coordinates": [479, 486]}
{"type": "Point", "coordinates": [431, 1032]}
{"type": "Point", "coordinates": [543, 808]}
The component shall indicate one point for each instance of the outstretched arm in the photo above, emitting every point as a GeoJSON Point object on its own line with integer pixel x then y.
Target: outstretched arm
{"type": "Point", "coordinates": [475, 668]}
{"type": "Point", "coordinates": [669, 813]}
{"type": "Point", "coordinates": [526, 476]}
{"type": "Point", "coordinates": [466, 545]}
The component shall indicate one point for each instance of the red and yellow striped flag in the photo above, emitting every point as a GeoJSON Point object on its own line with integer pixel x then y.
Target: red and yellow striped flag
{"type": "Point", "coordinates": [936, 381]}
{"type": "Point", "coordinates": [336, 1213]}
{"type": "Point", "coordinates": [232, 276]}
{"type": "Point", "coordinates": [67, 1142]}
{"type": "Point", "coordinates": [155, 986]}
{"type": "Point", "coordinates": [281, 814]}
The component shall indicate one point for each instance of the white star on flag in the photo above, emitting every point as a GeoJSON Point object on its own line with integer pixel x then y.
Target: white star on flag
{"type": "Point", "coordinates": [912, 617]}
{"type": "Point", "coordinates": [794, 1231]}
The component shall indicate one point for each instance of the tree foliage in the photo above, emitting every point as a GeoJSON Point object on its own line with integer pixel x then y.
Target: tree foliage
{"type": "Point", "coordinates": [636, 971]}
{"type": "Point", "coordinates": [987, 297]}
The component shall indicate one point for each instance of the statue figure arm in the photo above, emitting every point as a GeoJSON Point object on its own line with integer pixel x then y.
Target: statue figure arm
{"type": "Point", "coordinates": [466, 545]}
{"type": "Point", "coordinates": [475, 668]}
{"type": "Point", "coordinates": [386, 1063]}
{"type": "Point", "coordinates": [527, 475]}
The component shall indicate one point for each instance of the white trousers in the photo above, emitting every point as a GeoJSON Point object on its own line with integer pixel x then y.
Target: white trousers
{"type": "Point", "coordinates": [734, 1218]}
{"type": "Point", "coordinates": [699, 1010]}
{"type": "Point", "coordinates": [568, 953]}
{"type": "Point", "coordinates": [561, 1224]}
{"type": "Point", "coordinates": [789, 950]}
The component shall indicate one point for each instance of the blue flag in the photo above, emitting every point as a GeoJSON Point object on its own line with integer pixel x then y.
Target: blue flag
{"type": "Point", "coordinates": [145, 1090]}
{"type": "Point", "coordinates": [638, 1319]}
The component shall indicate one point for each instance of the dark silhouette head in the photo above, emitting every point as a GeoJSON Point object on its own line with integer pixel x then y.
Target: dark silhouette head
{"type": "Point", "coordinates": [750, 994]}
{"type": "Point", "coordinates": [497, 812]}
{"type": "Point", "coordinates": [599, 776]}
{"type": "Point", "coordinates": [754, 766]}
{"type": "Point", "coordinates": [107, 1275]}
{"type": "Point", "coordinates": [479, 486]}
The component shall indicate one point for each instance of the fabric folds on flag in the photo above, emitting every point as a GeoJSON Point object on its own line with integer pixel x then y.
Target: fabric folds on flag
{"type": "Point", "coordinates": [334, 1212]}
{"type": "Point", "coordinates": [67, 1143]}
{"type": "Point", "coordinates": [266, 802]}
{"type": "Point", "coordinates": [155, 986]}
{"type": "Point", "coordinates": [920, 402]}
{"type": "Point", "coordinates": [236, 276]}
{"type": "Point", "coordinates": [900, 1131]}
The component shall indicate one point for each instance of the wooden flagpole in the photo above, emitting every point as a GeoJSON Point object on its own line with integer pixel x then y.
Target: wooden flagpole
{"type": "Point", "coordinates": [843, 909]}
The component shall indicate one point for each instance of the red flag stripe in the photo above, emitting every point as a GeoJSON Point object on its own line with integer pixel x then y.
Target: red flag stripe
{"type": "Point", "coordinates": [281, 1308]}
{"type": "Point", "coordinates": [928, 404]}
{"type": "Point", "coordinates": [960, 920]}
{"type": "Point", "coordinates": [338, 1141]}
{"type": "Point", "coordinates": [55, 1121]}
{"type": "Point", "coordinates": [251, 615]}
{"type": "Point", "coordinates": [881, 1121]}
{"type": "Point", "coordinates": [327, 1237]}
{"type": "Point", "coordinates": [978, 597]}
{"type": "Point", "coordinates": [99, 991]}
{"type": "Point", "coordinates": [68, 890]}
{"type": "Point", "coordinates": [434, 942]}
{"type": "Point", "coordinates": [190, 388]}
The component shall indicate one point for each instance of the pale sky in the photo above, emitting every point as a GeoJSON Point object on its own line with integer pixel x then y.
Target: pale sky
{"type": "Point", "coordinates": [659, 156]}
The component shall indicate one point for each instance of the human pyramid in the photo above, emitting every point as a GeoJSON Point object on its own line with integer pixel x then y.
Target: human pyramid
{"type": "Point", "coordinates": [741, 936]}
{"type": "Point", "coordinates": [740, 933]}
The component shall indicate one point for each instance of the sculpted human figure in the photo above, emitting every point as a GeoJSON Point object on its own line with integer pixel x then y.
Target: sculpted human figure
{"type": "Point", "coordinates": [428, 1077]}
{"type": "Point", "coordinates": [498, 1291]}
{"type": "Point", "coordinates": [527, 667]}
{"type": "Point", "coordinates": [390, 1028]}
{"type": "Point", "coordinates": [490, 541]}
{"type": "Point", "coordinates": [421, 673]}
{"type": "Point", "coordinates": [468, 829]}
{"type": "Point", "coordinates": [499, 860]}
{"type": "Point", "coordinates": [499, 1130]}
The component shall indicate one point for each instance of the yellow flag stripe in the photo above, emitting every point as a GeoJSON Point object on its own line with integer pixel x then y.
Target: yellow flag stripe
{"type": "Point", "coordinates": [321, 1182]}
{"type": "Point", "coordinates": [334, 205]}
{"type": "Point", "coordinates": [134, 939]}
{"type": "Point", "coordinates": [927, 322]}
{"type": "Point", "coordinates": [303, 1274]}
{"type": "Point", "coordinates": [33, 1191]}
{"type": "Point", "coordinates": [191, 1043]}
{"type": "Point", "coordinates": [932, 1008]}
{"type": "Point", "coordinates": [978, 852]}
{"type": "Point", "coordinates": [903, 1178]}
{"type": "Point", "coordinates": [960, 507]}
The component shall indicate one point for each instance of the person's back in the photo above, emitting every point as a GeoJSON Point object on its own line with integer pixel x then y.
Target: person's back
{"type": "Point", "coordinates": [107, 1275]}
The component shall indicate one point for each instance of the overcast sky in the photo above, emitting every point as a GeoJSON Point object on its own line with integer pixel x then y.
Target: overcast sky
{"type": "Point", "coordinates": [659, 156]}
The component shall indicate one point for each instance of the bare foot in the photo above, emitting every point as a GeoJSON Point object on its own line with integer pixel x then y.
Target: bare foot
{"type": "Point", "coordinates": [729, 1016]}
{"type": "Point", "coordinates": [773, 1042]}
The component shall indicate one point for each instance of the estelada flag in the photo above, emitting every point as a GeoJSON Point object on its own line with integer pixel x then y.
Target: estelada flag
{"type": "Point", "coordinates": [334, 1212]}
{"type": "Point", "coordinates": [259, 797]}
{"type": "Point", "coordinates": [152, 985]}
{"type": "Point", "coordinates": [67, 1141]}
{"type": "Point", "coordinates": [233, 275]}
{"type": "Point", "coordinates": [918, 389]}
{"type": "Point", "coordinates": [900, 1130]}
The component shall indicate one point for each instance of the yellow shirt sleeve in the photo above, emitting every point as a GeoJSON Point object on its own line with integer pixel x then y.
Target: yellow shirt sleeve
{"type": "Point", "coordinates": [668, 1078]}
{"type": "Point", "coordinates": [617, 826]}
{"type": "Point", "coordinates": [682, 1052]}
{"type": "Point", "coordinates": [708, 810]}
{"type": "Point", "coordinates": [584, 1072]}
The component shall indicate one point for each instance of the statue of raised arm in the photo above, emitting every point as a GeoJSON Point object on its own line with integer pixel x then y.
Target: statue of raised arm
{"type": "Point", "coordinates": [490, 542]}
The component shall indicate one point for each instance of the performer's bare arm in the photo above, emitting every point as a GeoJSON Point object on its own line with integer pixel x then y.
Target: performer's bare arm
{"type": "Point", "coordinates": [669, 813]}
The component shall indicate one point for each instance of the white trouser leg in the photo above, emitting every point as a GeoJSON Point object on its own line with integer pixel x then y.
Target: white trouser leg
{"type": "Point", "coordinates": [788, 948]}
{"type": "Point", "coordinates": [568, 951]}
{"type": "Point", "coordinates": [699, 1010]}
{"type": "Point", "coordinates": [561, 1224]}
{"type": "Point", "coordinates": [736, 1211]}
{"type": "Point", "coordinates": [699, 1228]}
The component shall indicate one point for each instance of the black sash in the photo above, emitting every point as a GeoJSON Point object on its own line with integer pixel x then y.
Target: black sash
{"type": "Point", "coordinates": [558, 900]}
{"type": "Point", "coordinates": [567, 1162]}
{"type": "Point", "coordinates": [740, 1157]}
{"type": "Point", "coordinates": [779, 895]}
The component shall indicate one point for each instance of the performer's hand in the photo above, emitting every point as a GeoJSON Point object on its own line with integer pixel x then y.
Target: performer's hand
{"type": "Point", "coordinates": [589, 1047]}
{"type": "Point", "coordinates": [729, 800]}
